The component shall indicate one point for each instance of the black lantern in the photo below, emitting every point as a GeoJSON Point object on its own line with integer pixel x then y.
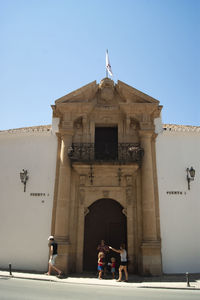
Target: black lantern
{"type": "Point", "coordinates": [24, 178]}
{"type": "Point", "coordinates": [190, 175]}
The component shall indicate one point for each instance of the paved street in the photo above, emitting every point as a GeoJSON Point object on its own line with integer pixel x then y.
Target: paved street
{"type": "Point", "coordinates": [22, 289]}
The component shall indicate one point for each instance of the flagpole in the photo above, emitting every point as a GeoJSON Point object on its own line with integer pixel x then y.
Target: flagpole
{"type": "Point", "coordinates": [106, 66]}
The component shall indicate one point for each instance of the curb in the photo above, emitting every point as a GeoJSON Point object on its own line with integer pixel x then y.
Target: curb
{"type": "Point", "coordinates": [28, 278]}
{"type": "Point", "coordinates": [170, 288]}
{"type": "Point", "coordinates": [101, 284]}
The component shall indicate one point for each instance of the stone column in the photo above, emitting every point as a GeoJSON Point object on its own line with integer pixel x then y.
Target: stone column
{"type": "Point", "coordinates": [130, 237]}
{"type": "Point", "coordinates": [63, 204]}
{"type": "Point", "coordinates": [130, 221]}
{"type": "Point", "coordinates": [151, 256]}
{"type": "Point", "coordinates": [80, 240]}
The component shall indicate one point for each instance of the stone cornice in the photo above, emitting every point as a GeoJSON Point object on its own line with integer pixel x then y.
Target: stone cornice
{"type": "Point", "coordinates": [34, 130]}
{"type": "Point", "coordinates": [47, 129]}
{"type": "Point", "coordinates": [128, 91]}
{"type": "Point", "coordinates": [180, 128]}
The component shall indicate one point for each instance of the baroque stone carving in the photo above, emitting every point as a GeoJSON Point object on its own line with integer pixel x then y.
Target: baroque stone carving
{"type": "Point", "coordinates": [129, 194]}
{"type": "Point", "coordinates": [78, 124]}
{"type": "Point", "coordinates": [128, 180]}
{"type": "Point", "coordinates": [82, 180]}
{"type": "Point", "coordinates": [105, 194]}
{"type": "Point", "coordinates": [124, 211]}
{"type": "Point", "coordinates": [86, 211]}
{"type": "Point", "coordinates": [106, 87]}
{"type": "Point", "coordinates": [81, 196]}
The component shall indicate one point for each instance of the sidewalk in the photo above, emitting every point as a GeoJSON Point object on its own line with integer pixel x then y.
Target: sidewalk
{"type": "Point", "coordinates": [161, 282]}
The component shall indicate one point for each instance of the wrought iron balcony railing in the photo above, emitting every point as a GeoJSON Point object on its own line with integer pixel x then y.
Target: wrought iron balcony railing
{"type": "Point", "coordinates": [122, 153]}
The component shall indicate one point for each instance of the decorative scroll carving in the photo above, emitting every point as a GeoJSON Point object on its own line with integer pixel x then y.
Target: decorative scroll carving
{"type": "Point", "coordinates": [86, 152]}
{"type": "Point", "coordinates": [124, 211]}
{"type": "Point", "coordinates": [106, 87]}
{"type": "Point", "coordinates": [86, 211]}
{"type": "Point", "coordinates": [82, 196]}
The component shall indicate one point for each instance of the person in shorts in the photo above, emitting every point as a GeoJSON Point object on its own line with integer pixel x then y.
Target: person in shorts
{"type": "Point", "coordinates": [102, 247]}
{"type": "Point", "coordinates": [53, 254]}
{"type": "Point", "coordinates": [100, 264]}
{"type": "Point", "coordinates": [123, 263]}
{"type": "Point", "coordinates": [112, 266]}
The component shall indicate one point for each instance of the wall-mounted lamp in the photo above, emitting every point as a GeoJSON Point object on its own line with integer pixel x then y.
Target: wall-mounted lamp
{"type": "Point", "coordinates": [24, 178]}
{"type": "Point", "coordinates": [190, 175]}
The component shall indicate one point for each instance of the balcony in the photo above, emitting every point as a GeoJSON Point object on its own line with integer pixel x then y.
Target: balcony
{"type": "Point", "coordinates": [123, 153]}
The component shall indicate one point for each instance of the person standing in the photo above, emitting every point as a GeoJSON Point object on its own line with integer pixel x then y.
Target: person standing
{"type": "Point", "coordinates": [53, 254]}
{"type": "Point", "coordinates": [100, 264]}
{"type": "Point", "coordinates": [123, 263]}
{"type": "Point", "coordinates": [112, 266]}
{"type": "Point", "coordinates": [105, 249]}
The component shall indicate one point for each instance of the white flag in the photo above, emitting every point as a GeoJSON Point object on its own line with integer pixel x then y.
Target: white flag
{"type": "Point", "coordinates": [108, 66]}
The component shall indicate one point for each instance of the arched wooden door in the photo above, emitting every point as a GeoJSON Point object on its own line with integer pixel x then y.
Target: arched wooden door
{"type": "Point", "coordinates": [105, 221]}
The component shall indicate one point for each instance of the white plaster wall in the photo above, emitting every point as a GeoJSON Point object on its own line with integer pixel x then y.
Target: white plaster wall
{"type": "Point", "coordinates": [25, 220]}
{"type": "Point", "coordinates": [179, 214]}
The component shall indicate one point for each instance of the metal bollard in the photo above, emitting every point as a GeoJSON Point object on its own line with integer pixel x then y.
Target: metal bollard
{"type": "Point", "coordinates": [10, 269]}
{"type": "Point", "coordinates": [188, 279]}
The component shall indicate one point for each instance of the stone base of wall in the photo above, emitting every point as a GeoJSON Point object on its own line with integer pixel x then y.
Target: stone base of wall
{"type": "Point", "coordinates": [62, 260]}
{"type": "Point", "coordinates": [151, 258]}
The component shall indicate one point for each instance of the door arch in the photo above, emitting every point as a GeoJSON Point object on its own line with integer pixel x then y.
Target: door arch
{"type": "Point", "coordinates": [105, 221]}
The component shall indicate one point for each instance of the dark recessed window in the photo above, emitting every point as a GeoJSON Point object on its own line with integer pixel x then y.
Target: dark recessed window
{"type": "Point", "coordinates": [106, 143]}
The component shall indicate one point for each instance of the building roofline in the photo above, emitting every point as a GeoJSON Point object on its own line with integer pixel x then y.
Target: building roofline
{"type": "Point", "coordinates": [48, 128]}
{"type": "Point", "coordinates": [32, 129]}
{"type": "Point", "coordinates": [181, 128]}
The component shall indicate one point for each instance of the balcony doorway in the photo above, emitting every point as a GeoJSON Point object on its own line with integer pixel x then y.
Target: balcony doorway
{"type": "Point", "coordinates": [106, 143]}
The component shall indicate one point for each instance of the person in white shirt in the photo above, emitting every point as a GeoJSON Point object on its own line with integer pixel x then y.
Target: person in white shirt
{"type": "Point", "coordinates": [123, 263]}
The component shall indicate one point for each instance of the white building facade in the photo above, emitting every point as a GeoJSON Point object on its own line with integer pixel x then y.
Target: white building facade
{"type": "Point", "coordinates": [26, 217]}
{"type": "Point", "coordinates": [178, 148]}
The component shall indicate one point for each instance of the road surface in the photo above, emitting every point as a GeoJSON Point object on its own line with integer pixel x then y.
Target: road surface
{"type": "Point", "coordinates": [20, 289]}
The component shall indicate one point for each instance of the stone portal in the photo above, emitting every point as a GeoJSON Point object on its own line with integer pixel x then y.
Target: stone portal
{"type": "Point", "coordinates": [106, 150]}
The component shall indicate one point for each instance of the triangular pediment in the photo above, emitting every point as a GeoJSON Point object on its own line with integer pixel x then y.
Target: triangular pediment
{"type": "Point", "coordinates": [83, 94]}
{"type": "Point", "coordinates": [133, 95]}
{"type": "Point", "coordinates": [121, 91]}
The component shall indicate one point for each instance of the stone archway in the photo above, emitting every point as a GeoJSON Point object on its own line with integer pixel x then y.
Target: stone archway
{"type": "Point", "coordinates": [105, 220]}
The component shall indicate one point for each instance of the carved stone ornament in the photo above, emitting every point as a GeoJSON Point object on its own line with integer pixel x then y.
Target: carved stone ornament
{"type": "Point", "coordinates": [105, 194]}
{"type": "Point", "coordinates": [106, 90]}
{"type": "Point", "coordinates": [82, 180]}
{"type": "Point", "coordinates": [81, 196]}
{"type": "Point", "coordinates": [129, 195]}
{"type": "Point", "coordinates": [78, 124]}
{"type": "Point", "coordinates": [128, 180]}
{"type": "Point", "coordinates": [86, 211]}
{"type": "Point", "coordinates": [124, 211]}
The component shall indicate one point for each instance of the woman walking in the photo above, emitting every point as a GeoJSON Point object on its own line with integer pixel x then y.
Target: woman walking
{"type": "Point", "coordinates": [123, 263]}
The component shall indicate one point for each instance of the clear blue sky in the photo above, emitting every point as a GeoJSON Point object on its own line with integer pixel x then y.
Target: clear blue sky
{"type": "Point", "coordinates": [49, 48]}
